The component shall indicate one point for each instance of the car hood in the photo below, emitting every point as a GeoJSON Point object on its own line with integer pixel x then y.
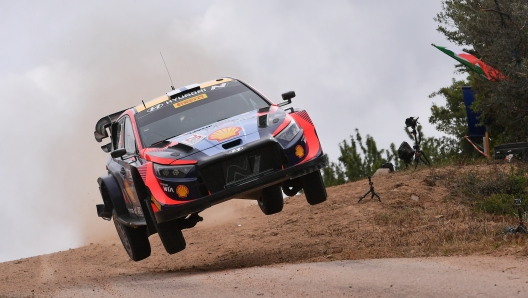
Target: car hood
{"type": "Point", "coordinates": [219, 136]}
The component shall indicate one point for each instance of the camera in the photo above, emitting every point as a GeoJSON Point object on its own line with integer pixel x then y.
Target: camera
{"type": "Point", "coordinates": [406, 153]}
{"type": "Point", "coordinates": [411, 122]}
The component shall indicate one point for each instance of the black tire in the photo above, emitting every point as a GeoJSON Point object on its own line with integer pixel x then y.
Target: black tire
{"type": "Point", "coordinates": [135, 240]}
{"type": "Point", "coordinates": [271, 200]}
{"type": "Point", "coordinates": [171, 236]}
{"type": "Point", "coordinates": [314, 188]}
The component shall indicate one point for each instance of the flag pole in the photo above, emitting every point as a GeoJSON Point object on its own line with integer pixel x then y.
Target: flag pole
{"type": "Point", "coordinates": [487, 145]}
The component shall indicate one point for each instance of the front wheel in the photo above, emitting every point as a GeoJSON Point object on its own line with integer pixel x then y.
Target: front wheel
{"type": "Point", "coordinates": [134, 239]}
{"type": "Point", "coordinates": [171, 236]}
{"type": "Point", "coordinates": [271, 200]}
{"type": "Point", "coordinates": [314, 188]}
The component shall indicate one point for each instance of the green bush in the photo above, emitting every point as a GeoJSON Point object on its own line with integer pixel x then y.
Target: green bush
{"type": "Point", "coordinates": [493, 192]}
{"type": "Point", "coordinates": [499, 204]}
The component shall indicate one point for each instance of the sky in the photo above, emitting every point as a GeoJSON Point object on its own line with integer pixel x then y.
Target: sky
{"type": "Point", "coordinates": [65, 64]}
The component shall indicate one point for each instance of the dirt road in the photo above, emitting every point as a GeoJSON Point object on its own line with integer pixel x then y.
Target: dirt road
{"type": "Point", "coordinates": [433, 277]}
{"type": "Point", "coordinates": [239, 251]}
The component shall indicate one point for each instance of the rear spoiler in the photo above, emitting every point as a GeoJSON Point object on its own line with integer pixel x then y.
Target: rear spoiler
{"type": "Point", "coordinates": [100, 132]}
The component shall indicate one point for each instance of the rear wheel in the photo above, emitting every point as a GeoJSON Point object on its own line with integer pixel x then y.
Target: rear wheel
{"type": "Point", "coordinates": [171, 236]}
{"type": "Point", "coordinates": [314, 188]}
{"type": "Point", "coordinates": [134, 239]}
{"type": "Point", "coordinates": [271, 200]}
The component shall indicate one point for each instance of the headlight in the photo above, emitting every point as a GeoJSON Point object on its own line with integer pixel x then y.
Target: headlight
{"type": "Point", "coordinates": [172, 171]}
{"type": "Point", "coordinates": [289, 132]}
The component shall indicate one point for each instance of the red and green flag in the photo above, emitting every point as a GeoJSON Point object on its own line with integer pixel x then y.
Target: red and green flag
{"type": "Point", "coordinates": [473, 63]}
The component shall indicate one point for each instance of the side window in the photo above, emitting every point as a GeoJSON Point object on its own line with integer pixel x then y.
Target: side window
{"type": "Point", "coordinates": [130, 140]}
{"type": "Point", "coordinates": [120, 133]}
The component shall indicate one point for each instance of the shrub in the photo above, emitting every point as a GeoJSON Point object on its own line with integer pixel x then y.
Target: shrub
{"type": "Point", "coordinates": [494, 192]}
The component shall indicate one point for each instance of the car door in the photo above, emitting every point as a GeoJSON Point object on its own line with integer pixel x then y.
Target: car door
{"type": "Point", "coordinates": [120, 167]}
{"type": "Point", "coordinates": [128, 163]}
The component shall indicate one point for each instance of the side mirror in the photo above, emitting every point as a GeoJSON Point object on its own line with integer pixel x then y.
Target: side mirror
{"type": "Point", "coordinates": [287, 96]}
{"type": "Point", "coordinates": [107, 148]}
{"type": "Point", "coordinates": [118, 153]}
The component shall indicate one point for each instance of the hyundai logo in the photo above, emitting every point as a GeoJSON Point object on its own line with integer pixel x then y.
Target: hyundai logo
{"type": "Point", "coordinates": [236, 150]}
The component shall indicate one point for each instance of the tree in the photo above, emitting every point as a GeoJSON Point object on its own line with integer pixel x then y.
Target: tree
{"type": "Point", "coordinates": [497, 31]}
{"type": "Point", "coordinates": [358, 160]}
{"type": "Point", "coordinates": [333, 175]}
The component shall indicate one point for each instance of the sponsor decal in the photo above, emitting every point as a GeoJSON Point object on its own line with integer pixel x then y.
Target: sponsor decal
{"type": "Point", "coordinates": [155, 108]}
{"type": "Point", "coordinates": [225, 133]}
{"type": "Point", "coordinates": [189, 94]}
{"type": "Point", "coordinates": [156, 203]}
{"type": "Point", "coordinates": [166, 187]}
{"type": "Point", "coordinates": [192, 140]}
{"type": "Point", "coordinates": [182, 103]}
{"type": "Point", "coordinates": [218, 86]}
{"type": "Point", "coordinates": [299, 151]}
{"type": "Point", "coordinates": [236, 150]}
{"type": "Point", "coordinates": [139, 211]}
{"type": "Point", "coordinates": [182, 191]}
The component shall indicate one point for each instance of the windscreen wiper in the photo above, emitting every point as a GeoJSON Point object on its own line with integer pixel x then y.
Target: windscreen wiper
{"type": "Point", "coordinates": [166, 140]}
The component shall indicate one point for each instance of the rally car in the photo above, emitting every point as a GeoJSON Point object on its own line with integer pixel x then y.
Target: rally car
{"type": "Point", "coordinates": [197, 146]}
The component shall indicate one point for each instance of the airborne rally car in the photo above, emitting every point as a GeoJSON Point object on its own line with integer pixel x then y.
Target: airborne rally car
{"type": "Point", "coordinates": [198, 146]}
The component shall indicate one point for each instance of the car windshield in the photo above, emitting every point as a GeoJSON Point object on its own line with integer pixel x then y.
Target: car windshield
{"type": "Point", "coordinates": [196, 109]}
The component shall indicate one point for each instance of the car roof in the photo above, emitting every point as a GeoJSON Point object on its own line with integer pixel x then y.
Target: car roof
{"type": "Point", "coordinates": [165, 97]}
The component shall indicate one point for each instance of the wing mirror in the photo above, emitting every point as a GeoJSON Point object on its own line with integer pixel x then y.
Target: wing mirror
{"type": "Point", "coordinates": [287, 96]}
{"type": "Point", "coordinates": [118, 153]}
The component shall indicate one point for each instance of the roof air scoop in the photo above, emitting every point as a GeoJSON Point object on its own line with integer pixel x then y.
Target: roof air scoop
{"type": "Point", "coordinates": [182, 90]}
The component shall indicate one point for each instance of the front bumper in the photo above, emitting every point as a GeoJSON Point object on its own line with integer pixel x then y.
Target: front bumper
{"type": "Point", "coordinates": [179, 211]}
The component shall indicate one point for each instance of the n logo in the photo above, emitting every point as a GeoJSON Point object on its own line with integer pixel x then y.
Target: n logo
{"type": "Point", "coordinates": [243, 168]}
{"type": "Point", "coordinates": [218, 86]}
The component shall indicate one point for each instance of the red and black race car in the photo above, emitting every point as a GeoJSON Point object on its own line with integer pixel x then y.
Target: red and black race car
{"type": "Point", "coordinates": [201, 145]}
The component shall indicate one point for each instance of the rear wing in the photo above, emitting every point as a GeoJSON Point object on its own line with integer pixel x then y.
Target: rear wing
{"type": "Point", "coordinates": [100, 132]}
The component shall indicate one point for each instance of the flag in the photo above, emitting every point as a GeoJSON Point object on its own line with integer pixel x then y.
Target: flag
{"type": "Point", "coordinates": [473, 63]}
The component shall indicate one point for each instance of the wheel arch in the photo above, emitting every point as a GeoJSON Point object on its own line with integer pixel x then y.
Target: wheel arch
{"type": "Point", "coordinates": [112, 195]}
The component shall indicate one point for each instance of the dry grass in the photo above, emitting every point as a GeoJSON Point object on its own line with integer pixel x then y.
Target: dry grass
{"type": "Point", "coordinates": [424, 212]}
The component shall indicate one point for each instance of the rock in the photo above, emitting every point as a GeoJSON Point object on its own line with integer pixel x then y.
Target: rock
{"type": "Point", "coordinates": [415, 197]}
{"type": "Point", "coordinates": [381, 172]}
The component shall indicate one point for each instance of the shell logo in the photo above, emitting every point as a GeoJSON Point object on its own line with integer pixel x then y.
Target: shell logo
{"type": "Point", "coordinates": [182, 191]}
{"type": "Point", "coordinates": [225, 133]}
{"type": "Point", "coordinates": [299, 151]}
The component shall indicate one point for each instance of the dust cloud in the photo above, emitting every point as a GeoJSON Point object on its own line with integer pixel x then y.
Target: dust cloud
{"type": "Point", "coordinates": [67, 65]}
{"type": "Point", "coordinates": [225, 212]}
{"type": "Point", "coordinates": [104, 63]}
